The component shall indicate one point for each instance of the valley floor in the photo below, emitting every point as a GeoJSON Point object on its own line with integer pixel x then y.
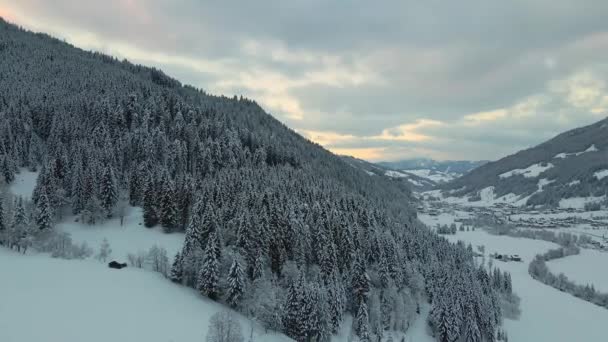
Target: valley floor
{"type": "Point", "coordinates": [589, 267]}
{"type": "Point", "coordinates": [547, 314]}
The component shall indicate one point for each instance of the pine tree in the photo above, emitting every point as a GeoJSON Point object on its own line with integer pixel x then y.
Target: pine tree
{"type": "Point", "coordinates": [8, 169]}
{"type": "Point", "coordinates": [362, 323]}
{"type": "Point", "coordinates": [43, 213]}
{"type": "Point", "coordinates": [79, 198]}
{"type": "Point", "coordinates": [3, 227]}
{"type": "Point", "coordinates": [235, 284]}
{"type": "Point", "coordinates": [293, 319]}
{"type": "Point", "coordinates": [335, 295]}
{"type": "Point", "coordinates": [168, 208]}
{"type": "Point", "coordinates": [150, 205]}
{"type": "Point", "coordinates": [360, 281]}
{"type": "Point", "coordinates": [208, 278]}
{"type": "Point", "coordinates": [19, 226]}
{"type": "Point", "coordinates": [108, 192]}
{"type": "Point", "coordinates": [177, 269]}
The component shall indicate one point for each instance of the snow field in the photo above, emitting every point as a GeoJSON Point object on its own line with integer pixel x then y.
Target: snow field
{"type": "Point", "coordinates": [84, 300]}
{"type": "Point", "coordinates": [132, 237]}
{"type": "Point", "coordinates": [589, 267]}
{"type": "Point", "coordinates": [531, 171]}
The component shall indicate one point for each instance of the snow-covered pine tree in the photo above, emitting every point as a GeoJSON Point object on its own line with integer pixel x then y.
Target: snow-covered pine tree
{"type": "Point", "coordinates": [208, 277]}
{"type": "Point", "coordinates": [108, 191]}
{"type": "Point", "coordinates": [236, 285]}
{"type": "Point", "coordinates": [7, 169]}
{"type": "Point", "coordinates": [335, 298]}
{"type": "Point", "coordinates": [3, 225]}
{"type": "Point", "coordinates": [79, 198]}
{"type": "Point", "coordinates": [168, 207]}
{"type": "Point", "coordinates": [44, 217]}
{"type": "Point", "coordinates": [360, 281]}
{"type": "Point", "coordinates": [362, 323]}
{"type": "Point", "coordinates": [293, 319]}
{"type": "Point", "coordinates": [177, 271]}
{"type": "Point", "coordinates": [150, 204]}
{"type": "Point", "coordinates": [19, 227]}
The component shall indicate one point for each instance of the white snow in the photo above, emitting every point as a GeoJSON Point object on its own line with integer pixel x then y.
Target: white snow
{"type": "Point", "coordinates": [601, 174]}
{"type": "Point", "coordinates": [415, 182]}
{"type": "Point", "coordinates": [47, 299]}
{"type": "Point", "coordinates": [589, 267]}
{"type": "Point", "coordinates": [531, 171]}
{"type": "Point", "coordinates": [547, 314]}
{"type": "Point", "coordinates": [574, 182]}
{"type": "Point", "coordinates": [369, 173]}
{"type": "Point", "coordinates": [395, 174]}
{"type": "Point", "coordinates": [591, 148]}
{"type": "Point", "coordinates": [434, 175]}
{"type": "Point", "coordinates": [131, 237]}
{"type": "Point", "coordinates": [543, 182]}
{"type": "Point", "coordinates": [561, 156]}
{"type": "Point", "coordinates": [24, 183]}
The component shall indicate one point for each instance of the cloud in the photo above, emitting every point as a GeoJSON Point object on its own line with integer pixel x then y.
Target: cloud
{"type": "Point", "coordinates": [447, 80]}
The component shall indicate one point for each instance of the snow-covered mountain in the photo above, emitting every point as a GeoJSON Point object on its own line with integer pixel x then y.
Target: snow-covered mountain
{"type": "Point", "coordinates": [427, 173]}
{"type": "Point", "coordinates": [410, 179]}
{"type": "Point", "coordinates": [261, 219]}
{"type": "Point", "coordinates": [568, 170]}
{"type": "Point", "coordinates": [454, 167]}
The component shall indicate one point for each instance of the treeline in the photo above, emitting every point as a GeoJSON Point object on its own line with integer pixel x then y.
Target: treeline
{"type": "Point", "coordinates": [538, 270]}
{"type": "Point", "coordinates": [276, 227]}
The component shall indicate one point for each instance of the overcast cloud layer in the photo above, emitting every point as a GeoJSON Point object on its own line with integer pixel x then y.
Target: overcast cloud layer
{"type": "Point", "coordinates": [471, 79]}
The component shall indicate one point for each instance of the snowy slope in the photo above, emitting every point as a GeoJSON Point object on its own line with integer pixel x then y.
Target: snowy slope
{"type": "Point", "coordinates": [131, 237]}
{"type": "Point", "coordinates": [547, 314]}
{"type": "Point", "coordinates": [575, 162]}
{"type": "Point", "coordinates": [589, 267]}
{"type": "Point", "coordinates": [74, 301]}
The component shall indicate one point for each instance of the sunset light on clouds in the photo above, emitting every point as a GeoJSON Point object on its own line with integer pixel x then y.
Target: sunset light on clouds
{"type": "Point", "coordinates": [378, 86]}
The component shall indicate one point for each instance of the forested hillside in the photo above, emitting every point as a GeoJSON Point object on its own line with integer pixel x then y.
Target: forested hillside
{"type": "Point", "coordinates": [276, 227]}
{"type": "Point", "coordinates": [573, 164]}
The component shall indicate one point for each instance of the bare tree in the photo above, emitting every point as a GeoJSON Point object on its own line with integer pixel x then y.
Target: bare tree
{"type": "Point", "coordinates": [224, 327]}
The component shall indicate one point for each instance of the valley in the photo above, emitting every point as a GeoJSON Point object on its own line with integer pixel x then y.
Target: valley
{"type": "Point", "coordinates": [547, 314]}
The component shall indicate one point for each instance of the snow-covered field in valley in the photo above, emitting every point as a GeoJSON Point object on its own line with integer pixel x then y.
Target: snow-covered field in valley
{"type": "Point", "coordinates": [547, 314]}
{"type": "Point", "coordinates": [59, 300]}
{"type": "Point", "coordinates": [589, 267]}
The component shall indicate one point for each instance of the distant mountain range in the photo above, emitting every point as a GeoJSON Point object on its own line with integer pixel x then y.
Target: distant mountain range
{"type": "Point", "coordinates": [419, 174]}
{"type": "Point", "coordinates": [568, 170]}
{"type": "Point", "coordinates": [447, 166]}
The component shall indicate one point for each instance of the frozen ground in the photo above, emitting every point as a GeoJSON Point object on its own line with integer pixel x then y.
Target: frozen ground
{"type": "Point", "coordinates": [47, 299]}
{"type": "Point", "coordinates": [24, 183]}
{"type": "Point", "coordinates": [589, 267]}
{"type": "Point", "coordinates": [131, 237]}
{"type": "Point", "coordinates": [547, 314]}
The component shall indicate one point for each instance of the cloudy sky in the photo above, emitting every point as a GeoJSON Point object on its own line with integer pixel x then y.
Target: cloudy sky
{"type": "Point", "coordinates": [473, 79]}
